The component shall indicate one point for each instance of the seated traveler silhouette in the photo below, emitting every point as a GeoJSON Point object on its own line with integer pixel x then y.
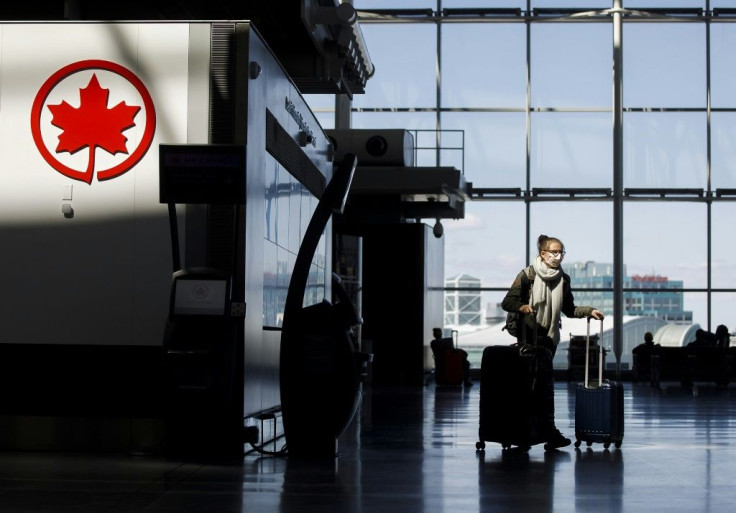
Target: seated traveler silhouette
{"type": "Point", "coordinates": [451, 364]}
{"type": "Point", "coordinates": [723, 337]}
{"type": "Point", "coordinates": [643, 357]}
{"type": "Point", "coordinates": [707, 357]}
{"type": "Point", "coordinates": [648, 344]}
{"type": "Point", "coordinates": [703, 339]}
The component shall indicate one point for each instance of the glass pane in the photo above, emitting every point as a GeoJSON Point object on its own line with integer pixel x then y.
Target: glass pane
{"type": "Point", "coordinates": [723, 247]}
{"type": "Point", "coordinates": [323, 108]}
{"type": "Point", "coordinates": [487, 244]}
{"type": "Point", "coordinates": [320, 102]}
{"type": "Point", "coordinates": [722, 313]}
{"type": "Point", "coordinates": [571, 150]}
{"type": "Point", "coordinates": [697, 304]}
{"type": "Point", "coordinates": [284, 267]}
{"type": "Point", "coordinates": [723, 150]}
{"type": "Point", "coordinates": [295, 215]}
{"type": "Point", "coordinates": [518, 4]}
{"type": "Point", "coordinates": [452, 147]}
{"type": "Point", "coordinates": [495, 147]}
{"type": "Point", "coordinates": [722, 72]}
{"type": "Point", "coordinates": [666, 240]}
{"type": "Point", "coordinates": [584, 227]}
{"type": "Point", "coordinates": [571, 65]}
{"type": "Point", "coordinates": [664, 65]}
{"type": "Point", "coordinates": [271, 183]}
{"type": "Point", "coordinates": [483, 65]}
{"type": "Point", "coordinates": [283, 192]}
{"type": "Point", "coordinates": [426, 143]}
{"type": "Point", "coordinates": [474, 339]}
{"type": "Point", "coordinates": [598, 4]}
{"type": "Point", "coordinates": [406, 120]}
{"type": "Point", "coordinates": [406, 78]}
{"type": "Point", "coordinates": [666, 303]}
{"type": "Point", "coordinates": [325, 119]}
{"type": "Point", "coordinates": [270, 284]}
{"type": "Point", "coordinates": [665, 149]}
{"type": "Point", "coordinates": [631, 4]}
{"type": "Point", "coordinates": [394, 4]}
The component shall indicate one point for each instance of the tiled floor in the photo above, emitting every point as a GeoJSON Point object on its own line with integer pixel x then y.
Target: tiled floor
{"type": "Point", "coordinates": [413, 450]}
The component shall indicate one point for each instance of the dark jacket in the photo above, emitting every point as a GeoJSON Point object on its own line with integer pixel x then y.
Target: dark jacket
{"type": "Point", "coordinates": [518, 295]}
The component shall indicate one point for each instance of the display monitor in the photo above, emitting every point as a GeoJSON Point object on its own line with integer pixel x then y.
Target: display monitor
{"type": "Point", "coordinates": [200, 296]}
{"type": "Point", "coordinates": [202, 173]}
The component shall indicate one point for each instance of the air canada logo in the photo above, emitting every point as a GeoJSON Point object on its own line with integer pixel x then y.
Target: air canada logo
{"type": "Point", "coordinates": [93, 118]}
{"type": "Point", "coordinates": [200, 293]}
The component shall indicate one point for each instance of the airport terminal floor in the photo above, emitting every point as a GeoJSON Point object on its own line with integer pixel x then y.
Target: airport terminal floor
{"type": "Point", "coordinates": [413, 450]}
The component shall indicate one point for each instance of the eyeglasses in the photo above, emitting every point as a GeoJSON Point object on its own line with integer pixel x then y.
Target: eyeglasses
{"type": "Point", "coordinates": [556, 254]}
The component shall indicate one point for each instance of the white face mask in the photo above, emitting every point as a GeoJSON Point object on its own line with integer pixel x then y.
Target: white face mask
{"type": "Point", "coordinates": [553, 259]}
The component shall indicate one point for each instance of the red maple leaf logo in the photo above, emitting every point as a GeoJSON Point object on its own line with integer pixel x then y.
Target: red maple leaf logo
{"type": "Point", "coordinates": [92, 125]}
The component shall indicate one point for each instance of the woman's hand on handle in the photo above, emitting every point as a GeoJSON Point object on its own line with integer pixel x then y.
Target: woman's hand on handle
{"type": "Point", "coordinates": [526, 309]}
{"type": "Point", "coordinates": [597, 315]}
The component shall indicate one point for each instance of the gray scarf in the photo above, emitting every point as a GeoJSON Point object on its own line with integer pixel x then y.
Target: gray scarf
{"type": "Point", "coordinates": [547, 296]}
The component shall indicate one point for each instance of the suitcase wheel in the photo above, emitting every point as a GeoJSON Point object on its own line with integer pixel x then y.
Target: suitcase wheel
{"type": "Point", "coordinates": [606, 445]}
{"type": "Point", "coordinates": [577, 444]}
{"type": "Point", "coordinates": [480, 446]}
{"type": "Point", "coordinates": [618, 444]}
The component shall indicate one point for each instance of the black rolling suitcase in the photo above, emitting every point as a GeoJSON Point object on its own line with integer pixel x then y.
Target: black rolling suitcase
{"type": "Point", "coordinates": [507, 381]}
{"type": "Point", "coordinates": [599, 407]}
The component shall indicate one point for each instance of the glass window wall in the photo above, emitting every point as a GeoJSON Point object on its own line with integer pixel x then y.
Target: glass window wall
{"type": "Point", "coordinates": [542, 117]}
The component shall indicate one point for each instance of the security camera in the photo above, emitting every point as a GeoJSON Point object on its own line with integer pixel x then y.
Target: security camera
{"type": "Point", "coordinates": [438, 230]}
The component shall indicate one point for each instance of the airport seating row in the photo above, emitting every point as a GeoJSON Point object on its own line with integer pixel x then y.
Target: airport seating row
{"type": "Point", "coordinates": [685, 365]}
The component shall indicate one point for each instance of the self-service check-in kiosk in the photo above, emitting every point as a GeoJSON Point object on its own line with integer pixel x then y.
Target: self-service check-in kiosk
{"type": "Point", "coordinates": [201, 355]}
{"type": "Point", "coordinates": [320, 367]}
{"type": "Point", "coordinates": [202, 347]}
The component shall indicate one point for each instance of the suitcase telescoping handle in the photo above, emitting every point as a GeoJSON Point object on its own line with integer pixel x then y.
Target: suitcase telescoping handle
{"type": "Point", "coordinates": [523, 328]}
{"type": "Point", "coordinates": [600, 356]}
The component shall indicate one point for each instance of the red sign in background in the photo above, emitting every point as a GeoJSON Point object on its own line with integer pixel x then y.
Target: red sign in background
{"type": "Point", "coordinates": [93, 124]}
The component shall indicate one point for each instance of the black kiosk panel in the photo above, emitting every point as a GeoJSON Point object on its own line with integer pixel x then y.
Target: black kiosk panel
{"type": "Point", "coordinates": [202, 173]}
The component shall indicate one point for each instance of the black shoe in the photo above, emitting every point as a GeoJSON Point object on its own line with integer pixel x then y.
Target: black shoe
{"type": "Point", "coordinates": [557, 440]}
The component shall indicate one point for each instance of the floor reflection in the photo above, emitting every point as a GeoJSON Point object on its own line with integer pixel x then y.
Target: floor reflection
{"type": "Point", "coordinates": [413, 450]}
{"type": "Point", "coordinates": [514, 481]}
{"type": "Point", "coordinates": [599, 479]}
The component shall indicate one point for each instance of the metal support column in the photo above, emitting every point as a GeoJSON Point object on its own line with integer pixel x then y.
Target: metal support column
{"type": "Point", "coordinates": [618, 173]}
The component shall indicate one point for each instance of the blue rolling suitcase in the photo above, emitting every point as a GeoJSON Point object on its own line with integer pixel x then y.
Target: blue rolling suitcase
{"type": "Point", "coordinates": [599, 407]}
